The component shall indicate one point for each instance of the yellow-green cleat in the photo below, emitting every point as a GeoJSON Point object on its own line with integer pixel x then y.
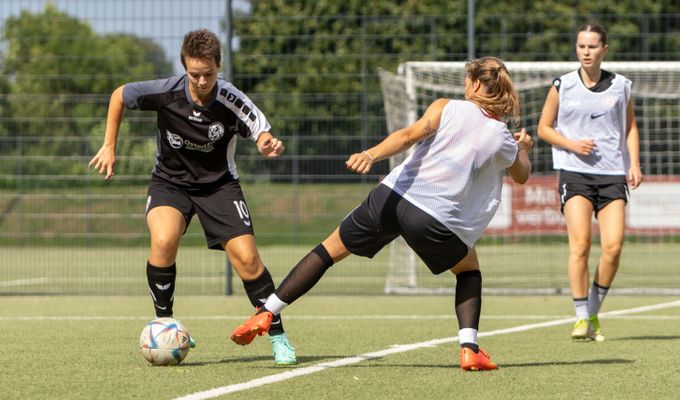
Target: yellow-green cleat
{"type": "Point", "coordinates": [595, 322]}
{"type": "Point", "coordinates": [583, 330]}
{"type": "Point", "coordinates": [283, 351]}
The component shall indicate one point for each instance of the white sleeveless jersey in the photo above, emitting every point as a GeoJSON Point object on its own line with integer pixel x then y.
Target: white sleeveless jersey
{"type": "Point", "coordinates": [456, 175]}
{"type": "Point", "coordinates": [583, 114]}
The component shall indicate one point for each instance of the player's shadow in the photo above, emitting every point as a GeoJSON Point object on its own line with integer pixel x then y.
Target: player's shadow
{"type": "Point", "coordinates": [649, 337]}
{"type": "Point", "coordinates": [240, 360]}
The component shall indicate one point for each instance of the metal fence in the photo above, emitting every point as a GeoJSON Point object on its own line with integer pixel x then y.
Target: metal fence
{"type": "Point", "coordinates": [57, 218]}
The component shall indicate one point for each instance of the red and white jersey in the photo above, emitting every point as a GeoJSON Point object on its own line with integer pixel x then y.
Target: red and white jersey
{"type": "Point", "coordinates": [456, 174]}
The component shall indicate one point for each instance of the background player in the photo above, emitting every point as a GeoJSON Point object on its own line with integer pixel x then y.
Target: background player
{"type": "Point", "coordinates": [199, 118]}
{"type": "Point", "coordinates": [588, 118]}
{"type": "Point", "coordinates": [440, 200]}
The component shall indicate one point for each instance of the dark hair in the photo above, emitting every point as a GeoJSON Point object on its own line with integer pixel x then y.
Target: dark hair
{"type": "Point", "coordinates": [201, 43]}
{"type": "Point", "coordinates": [501, 98]}
{"type": "Point", "coordinates": [593, 27]}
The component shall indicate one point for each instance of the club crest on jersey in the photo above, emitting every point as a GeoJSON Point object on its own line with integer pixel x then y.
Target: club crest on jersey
{"type": "Point", "coordinates": [215, 131]}
{"type": "Point", "coordinates": [174, 140]}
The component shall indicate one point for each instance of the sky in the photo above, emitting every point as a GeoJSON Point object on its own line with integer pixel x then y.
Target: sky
{"type": "Point", "coordinates": [166, 21]}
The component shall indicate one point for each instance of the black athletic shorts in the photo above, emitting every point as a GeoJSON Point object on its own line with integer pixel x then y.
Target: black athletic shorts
{"type": "Point", "coordinates": [384, 215]}
{"type": "Point", "coordinates": [222, 210]}
{"type": "Point", "coordinates": [599, 189]}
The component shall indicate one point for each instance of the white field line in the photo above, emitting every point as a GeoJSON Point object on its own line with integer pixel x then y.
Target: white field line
{"type": "Point", "coordinates": [23, 282]}
{"type": "Point", "coordinates": [37, 318]}
{"type": "Point", "coordinates": [266, 380]}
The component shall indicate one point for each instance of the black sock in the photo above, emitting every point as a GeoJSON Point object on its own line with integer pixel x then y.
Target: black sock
{"type": "Point", "coordinates": [162, 287]}
{"type": "Point", "coordinates": [305, 275]}
{"type": "Point", "coordinates": [258, 291]}
{"type": "Point", "coordinates": [469, 298]}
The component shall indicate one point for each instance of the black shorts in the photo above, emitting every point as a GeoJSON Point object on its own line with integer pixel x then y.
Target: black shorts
{"type": "Point", "coordinates": [222, 210]}
{"type": "Point", "coordinates": [384, 215]}
{"type": "Point", "coordinates": [599, 189]}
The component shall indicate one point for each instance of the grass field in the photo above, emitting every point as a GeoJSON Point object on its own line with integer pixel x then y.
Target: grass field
{"type": "Point", "coordinates": [121, 270]}
{"type": "Point", "coordinates": [61, 347]}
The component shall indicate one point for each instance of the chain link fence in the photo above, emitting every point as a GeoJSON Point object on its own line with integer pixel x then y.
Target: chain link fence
{"type": "Point", "coordinates": [57, 218]}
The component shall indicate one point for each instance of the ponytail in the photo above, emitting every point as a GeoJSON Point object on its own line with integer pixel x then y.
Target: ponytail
{"type": "Point", "coordinates": [500, 99]}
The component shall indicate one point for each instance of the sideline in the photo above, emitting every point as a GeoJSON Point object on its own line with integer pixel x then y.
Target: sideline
{"type": "Point", "coordinates": [266, 380]}
{"type": "Point", "coordinates": [22, 282]}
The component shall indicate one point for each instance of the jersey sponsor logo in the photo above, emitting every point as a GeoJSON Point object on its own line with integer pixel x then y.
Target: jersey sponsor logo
{"type": "Point", "coordinates": [206, 148]}
{"type": "Point", "coordinates": [196, 117]}
{"type": "Point", "coordinates": [215, 131]}
{"type": "Point", "coordinates": [174, 140]}
{"type": "Point", "coordinates": [593, 116]}
{"type": "Point", "coordinates": [163, 287]}
{"type": "Point", "coordinates": [232, 98]}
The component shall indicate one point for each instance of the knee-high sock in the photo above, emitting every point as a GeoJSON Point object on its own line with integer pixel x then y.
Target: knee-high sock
{"type": "Point", "coordinates": [304, 275]}
{"type": "Point", "coordinates": [468, 306]}
{"type": "Point", "coordinates": [162, 288]}
{"type": "Point", "coordinates": [258, 291]}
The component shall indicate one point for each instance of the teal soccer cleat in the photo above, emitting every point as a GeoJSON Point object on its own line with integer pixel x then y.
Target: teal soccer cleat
{"type": "Point", "coordinates": [283, 351]}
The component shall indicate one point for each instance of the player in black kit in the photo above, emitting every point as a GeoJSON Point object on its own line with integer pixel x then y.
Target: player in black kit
{"type": "Point", "coordinates": [199, 117]}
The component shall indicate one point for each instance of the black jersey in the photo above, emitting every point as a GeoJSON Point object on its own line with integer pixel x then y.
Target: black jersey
{"type": "Point", "coordinates": [196, 144]}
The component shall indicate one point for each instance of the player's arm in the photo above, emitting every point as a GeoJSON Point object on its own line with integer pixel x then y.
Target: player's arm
{"type": "Point", "coordinates": [633, 143]}
{"type": "Point", "coordinates": [269, 146]}
{"type": "Point", "coordinates": [105, 159]}
{"type": "Point", "coordinates": [520, 170]}
{"type": "Point", "coordinates": [547, 133]}
{"type": "Point", "coordinates": [400, 140]}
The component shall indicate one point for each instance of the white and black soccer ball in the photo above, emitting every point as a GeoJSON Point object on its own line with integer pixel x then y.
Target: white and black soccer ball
{"type": "Point", "coordinates": [164, 341]}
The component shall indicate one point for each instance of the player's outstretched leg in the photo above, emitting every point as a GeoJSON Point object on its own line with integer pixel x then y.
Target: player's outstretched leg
{"type": "Point", "coordinates": [476, 361]}
{"type": "Point", "coordinates": [257, 325]}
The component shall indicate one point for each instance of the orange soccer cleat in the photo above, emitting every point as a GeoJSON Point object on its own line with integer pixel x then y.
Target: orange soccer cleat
{"type": "Point", "coordinates": [256, 325]}
{"type": "Point", "coordinates": [471, 361]}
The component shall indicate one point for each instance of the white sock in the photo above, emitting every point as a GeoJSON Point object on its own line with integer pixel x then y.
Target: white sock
{"type": "Point", "coordinates": [596, 297]}
{"type": "Point", "coordinates": [581, 308]}
{"type": "Point", "coordinates": [274, 304]}
{"type": "Point", "coordinates": [467, 335]}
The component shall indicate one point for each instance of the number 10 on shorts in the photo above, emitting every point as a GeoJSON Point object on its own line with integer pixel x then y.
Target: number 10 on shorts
{"type": "Point", "coordinates": [242, 211]}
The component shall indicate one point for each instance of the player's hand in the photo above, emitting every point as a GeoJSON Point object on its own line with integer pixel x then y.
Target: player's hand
{"type": "Point", "coordinates": [104, 161]}
{"type": "Point", "coordinates": [271, 147]}
{"type": "Point", "coordinates": [360, 163]}
{"type": "Point", "coordinates": [634, 176]}
{"type": "Point", "coordinates": [583, 147]}
{"type": "Point", "coordinates": [524, 140]}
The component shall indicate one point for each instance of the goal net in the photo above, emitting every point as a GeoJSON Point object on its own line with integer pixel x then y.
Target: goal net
{"type": "Point", "coordinates": [525, 247]}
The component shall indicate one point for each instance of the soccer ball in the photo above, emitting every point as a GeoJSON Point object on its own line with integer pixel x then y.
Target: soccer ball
{"type": "Point", "coordinates": [164, 341]}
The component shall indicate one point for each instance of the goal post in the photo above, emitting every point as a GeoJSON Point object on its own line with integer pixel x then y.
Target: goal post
{"type": "Point", "coordinates": [656, 93]}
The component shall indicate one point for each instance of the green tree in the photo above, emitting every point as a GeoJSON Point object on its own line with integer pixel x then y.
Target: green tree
{"type": "Point", "coordinates": [311, 66]}
{"type": "Point", "coordinates": [59, 75]}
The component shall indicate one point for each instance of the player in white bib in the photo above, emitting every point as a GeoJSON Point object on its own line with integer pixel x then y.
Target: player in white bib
{"type": "Point", "coordinates": [588, 118]}
{"type": "Point", "coordinates": [440, 200]}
